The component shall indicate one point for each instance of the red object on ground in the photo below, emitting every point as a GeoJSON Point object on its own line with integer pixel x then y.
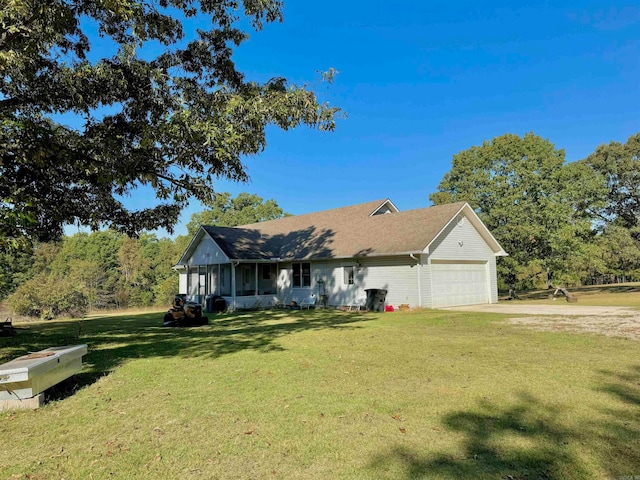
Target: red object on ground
{"type": "Point", "coordinates": [388, 308]}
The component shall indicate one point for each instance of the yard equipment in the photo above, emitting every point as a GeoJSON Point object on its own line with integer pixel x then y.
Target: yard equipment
{"type": "Point", "coordinates": [6, 328]}
{"type": "Point", "coordinates": [184, 314]}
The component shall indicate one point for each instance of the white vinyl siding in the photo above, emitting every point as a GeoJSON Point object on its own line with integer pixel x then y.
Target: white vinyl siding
{"type": "Point", "coordinates": [333, 275]}
{"type": "Point", "coordinates": [286, 291]}
{"type": "Point", "coordinates": [397, 275]}
{"type": "Point", "coordinates": [207, 253]}
{"type": "Point", "coordinates": [456, 248]}
{"type": "Point", "coordinates": [493, 280]}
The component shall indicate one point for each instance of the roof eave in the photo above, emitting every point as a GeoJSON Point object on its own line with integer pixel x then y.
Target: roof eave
{"type": "Point", "coordinates": [347, 257]}
{"type": "Point", "coordinates": [189, 250]}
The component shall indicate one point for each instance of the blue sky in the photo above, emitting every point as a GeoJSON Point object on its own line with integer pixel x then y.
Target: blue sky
{"type": "Point", "coordinates": [421, 81]}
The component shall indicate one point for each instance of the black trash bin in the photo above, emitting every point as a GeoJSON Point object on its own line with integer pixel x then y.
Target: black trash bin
{"type": "Point", "coordinates": [215, 304]}
{"type": "Point", "coordinates": [375, 299]}
{"type": "Point", "coordinates": [208, 303]}
{"type": "Point", "coordinates": [219, 304]}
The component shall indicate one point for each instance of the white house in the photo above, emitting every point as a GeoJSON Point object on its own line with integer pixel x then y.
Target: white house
{"type": "Point", "coordinates": [430, 257]}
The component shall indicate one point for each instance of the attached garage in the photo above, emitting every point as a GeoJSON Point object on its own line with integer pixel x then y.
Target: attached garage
{"type": "Point", "coordinates": [459, 283]}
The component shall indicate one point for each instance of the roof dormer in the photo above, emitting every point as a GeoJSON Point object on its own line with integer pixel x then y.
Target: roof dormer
{"type": "Point", "coordinates": [386, 207]}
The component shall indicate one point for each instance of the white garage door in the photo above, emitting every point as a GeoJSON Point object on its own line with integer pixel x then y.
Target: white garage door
{"type": "Point", "coordinates": [459, 284]}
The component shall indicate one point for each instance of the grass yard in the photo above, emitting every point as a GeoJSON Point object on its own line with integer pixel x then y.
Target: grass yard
{"type": "Point", "coordinates": [333, 395]}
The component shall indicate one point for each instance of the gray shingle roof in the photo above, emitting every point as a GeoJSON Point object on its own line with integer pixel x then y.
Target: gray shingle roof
{"type": "Point", "coordinates": [345, 232]}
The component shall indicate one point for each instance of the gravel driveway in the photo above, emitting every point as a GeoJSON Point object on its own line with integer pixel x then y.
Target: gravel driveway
{"type": "Point", "coordinates": [568, 317]}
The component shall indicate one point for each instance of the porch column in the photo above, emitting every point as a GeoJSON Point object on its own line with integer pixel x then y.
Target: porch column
{"type": "Point", "coordinates": [256, 281]}
{"type": "Point", "coordinates": [188, 270]}
{"type": "Point", "coordinates": [233, 284]}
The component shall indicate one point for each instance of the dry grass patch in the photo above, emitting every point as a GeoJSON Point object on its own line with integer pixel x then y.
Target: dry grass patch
{"type": "Point", "coordinates": [620, 295]}
{"type": "Point", "coordinates": [624, 326]}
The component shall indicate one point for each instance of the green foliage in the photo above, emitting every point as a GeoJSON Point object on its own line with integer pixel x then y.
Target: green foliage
{"type": "Point", "coordinates": [15, 269]}
{"type": "Point", "coordinates": [619, 165]}
{"type": "Point", "coordinates": [48, 297]}
{"type": "Point", "coordinates": [229, 212]}
{"type": "Point", "coordinates": [93, 280]}
{"type": "Point", "coordinates": [535, 205]}
{"type": "Point", "coordinates": [102, 270]}
{"type": "Point", "coordinates": [619, 252]}
{"type": "Point", "coordinates": [174, 124]}
{"type": "Point", "coordinates": [561, 223]}
{"type": "Point", "coordinates": [165, 291]}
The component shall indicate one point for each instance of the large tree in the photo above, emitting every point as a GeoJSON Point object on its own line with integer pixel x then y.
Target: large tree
{"type": "Point", "coordinates": [226, 211]}
{"type": "Point", "coordinates": [162, 110]}
{"type": "Point", "coordinates": [534, 203]}
{"type": "Point", "coordinates": [619, 164]}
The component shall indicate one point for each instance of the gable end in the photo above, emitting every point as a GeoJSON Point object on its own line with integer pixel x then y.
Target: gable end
{"type": "Point", "coordinates": [386, 207]}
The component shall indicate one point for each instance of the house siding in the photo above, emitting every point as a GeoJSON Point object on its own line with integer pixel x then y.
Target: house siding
{"type": "Point", "coordinates": [426, 283]}
{"type": "Point", "coordinates": [493, 280]}
{"type": "Point", "coordinates": [399, 275]}
{"type": "Point", "coordinates": [285, 283]}
{"type": "Point", "coordinates": [332, 274]}
{"type": "Point", "coordinates": [447, 245]}
{"type": "Point", "coordinates": [207, 252]}
{"type": "Point", "coordinates": [460, 241]}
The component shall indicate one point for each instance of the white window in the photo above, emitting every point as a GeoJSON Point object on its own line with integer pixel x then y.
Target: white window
{"type": "Point", "coordinates": [349, 274]}
{"type": "Point", "coordinates": [301, 275]}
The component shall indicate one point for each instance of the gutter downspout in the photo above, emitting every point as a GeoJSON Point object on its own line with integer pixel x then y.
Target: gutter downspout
{"type": "Point", "coordinates": [419, 263]}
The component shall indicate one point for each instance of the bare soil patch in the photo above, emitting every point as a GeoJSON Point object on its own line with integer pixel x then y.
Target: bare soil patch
{"type": "Point", "coordinates": [610, 321]}
{"type": "Point", "coordinates": [584, 291]}
{"type": "Point", "coordinates": [613, 326]}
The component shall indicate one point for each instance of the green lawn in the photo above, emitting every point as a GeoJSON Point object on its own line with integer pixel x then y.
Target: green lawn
{"type": "Point", "coordinates": [320, 394]}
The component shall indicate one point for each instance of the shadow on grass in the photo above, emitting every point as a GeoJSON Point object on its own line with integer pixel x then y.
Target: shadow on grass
{"type": "Point", "coordinates": [621, 430]}
{"type": "Point", "coordinates": [114, 340]}
{"type": "Point", "coordinates": [534, 440]}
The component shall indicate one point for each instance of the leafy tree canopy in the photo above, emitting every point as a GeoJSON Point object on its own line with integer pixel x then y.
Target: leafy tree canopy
{"type": "Point", "coordinates": [619, 164]}
{"type": "Point", "coordinates": [534, 203]}
{"type": "Point", "coordinates": [228, 212]}
{"type": "Point", "coordinates": [173, 121]}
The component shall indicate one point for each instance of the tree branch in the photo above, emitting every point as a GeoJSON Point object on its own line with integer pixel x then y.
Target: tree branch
{"type": "Point", "coordinates": [10, 103]}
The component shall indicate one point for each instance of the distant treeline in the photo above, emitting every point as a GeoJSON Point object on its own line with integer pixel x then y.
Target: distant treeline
{"type": "Point", "coordinates": [109, 270]}
{"type": "Point", "coordinates": [88, 271]}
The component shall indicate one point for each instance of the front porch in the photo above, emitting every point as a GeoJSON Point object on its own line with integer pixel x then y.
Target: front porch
{"type": "Point", "coordinates": [243, 285]}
